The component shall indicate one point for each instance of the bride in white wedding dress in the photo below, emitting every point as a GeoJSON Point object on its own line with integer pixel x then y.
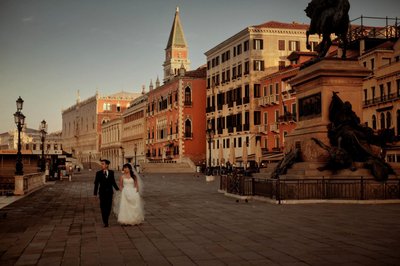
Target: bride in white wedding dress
{"type": "Point", "coordinates": [128, 204]}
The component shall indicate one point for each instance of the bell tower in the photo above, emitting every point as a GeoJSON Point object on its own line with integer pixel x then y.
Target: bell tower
{"type": "Point", "coordinates": [176, 52]}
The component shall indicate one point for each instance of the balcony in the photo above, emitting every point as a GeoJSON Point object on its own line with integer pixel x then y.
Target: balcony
{"type": "Point", "coordinates": [287, 118]}
{"type": "Point", "coordinates": [381, 99]}
{"type": "Point", "coordinates": [287, 89]}
{"type": "Point", "coordinates": [263, 129]}
{"type": "Point", "coordinates": [274, 128]}
{"type": "Point", "coordinates": [264, 101]}
{"type": "Point", "coordinates": [274, 99]}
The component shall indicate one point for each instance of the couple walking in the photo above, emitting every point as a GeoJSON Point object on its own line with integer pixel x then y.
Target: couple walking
{"type": "Point", "coordinates": [127, 205]}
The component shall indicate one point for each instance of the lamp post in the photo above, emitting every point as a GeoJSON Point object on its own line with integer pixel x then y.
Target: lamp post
{"type": "Point", "coordinates": [43, 132]}
{"type": "Point", "coordinates": [210, 135]}
{"type": "Point", "coordinates": [135, 150]}
{"type": "Point", "coordinates": [19, 119]}
{"type": "Point", "coordinates": [90, 161]}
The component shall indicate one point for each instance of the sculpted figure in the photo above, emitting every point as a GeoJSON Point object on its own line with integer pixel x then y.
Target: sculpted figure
{"type": "Point", "coordinates": [352, 142]}
{"type": "Point", "coordinates": [288, 160]}
{"type": "Point", "coordinates": [327, 17]}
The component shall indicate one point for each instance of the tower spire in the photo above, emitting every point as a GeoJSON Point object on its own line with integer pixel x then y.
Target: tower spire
{"type": "Point", "coordinates": [151, 87]}
{"type": "Point", "coordinates": [157, 82]}
{"type": "Point", "coordinates": [176, 52]}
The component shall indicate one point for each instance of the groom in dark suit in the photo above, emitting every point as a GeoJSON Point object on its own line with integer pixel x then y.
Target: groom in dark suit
{"type": "Point", "coordinates": [104, 184]}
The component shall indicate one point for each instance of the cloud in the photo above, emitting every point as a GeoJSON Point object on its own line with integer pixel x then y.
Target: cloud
{"type": "Point", "coordinates": [27, 19]}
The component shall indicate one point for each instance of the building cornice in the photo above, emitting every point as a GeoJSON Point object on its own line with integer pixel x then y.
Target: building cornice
{"type": "Point", "coordinates": [254, 30]}
{"type": "Point", "coordinates": [73, 107]}
{"type": "Point", "coordinates": [228, 41]}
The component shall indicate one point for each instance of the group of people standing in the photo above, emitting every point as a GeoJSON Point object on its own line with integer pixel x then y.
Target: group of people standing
{"type": "Point", "coordinates": [126, 202]}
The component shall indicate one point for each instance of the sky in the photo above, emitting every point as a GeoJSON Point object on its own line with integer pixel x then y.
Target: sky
{"type": "Point", "coordinates": [50, 49]}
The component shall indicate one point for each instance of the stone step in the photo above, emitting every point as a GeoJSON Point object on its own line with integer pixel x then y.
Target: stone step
{"type": "Point", "coordinates": [166, 168]}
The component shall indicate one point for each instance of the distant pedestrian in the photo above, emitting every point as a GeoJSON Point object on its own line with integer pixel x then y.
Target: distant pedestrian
{"type": "Point", "coordinates": [103, 184]}
{"type": "Point", "coordinates": [70, 172]}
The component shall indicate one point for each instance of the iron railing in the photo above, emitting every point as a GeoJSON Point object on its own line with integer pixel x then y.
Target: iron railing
{"type": "Point", "coordinates": [311, 189]}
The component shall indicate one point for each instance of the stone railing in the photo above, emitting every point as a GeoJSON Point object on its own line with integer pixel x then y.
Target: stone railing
{"type": "Point", "coordinates": [29, 182]}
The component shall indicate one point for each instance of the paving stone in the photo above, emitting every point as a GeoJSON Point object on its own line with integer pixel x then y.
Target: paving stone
{"type": "Point", "coordinates": [189, 223]}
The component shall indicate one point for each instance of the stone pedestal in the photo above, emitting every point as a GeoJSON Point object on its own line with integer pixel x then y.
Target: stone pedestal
{"type": "Point", "coordinates": [314, 86]}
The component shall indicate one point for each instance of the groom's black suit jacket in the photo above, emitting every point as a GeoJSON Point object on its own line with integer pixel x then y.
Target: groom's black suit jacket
{"type": "Point", "coordinates": [104, 184]}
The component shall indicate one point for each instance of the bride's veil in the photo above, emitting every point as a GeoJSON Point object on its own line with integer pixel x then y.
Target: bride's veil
{"type": "Point", "coordinates": [139, 180]}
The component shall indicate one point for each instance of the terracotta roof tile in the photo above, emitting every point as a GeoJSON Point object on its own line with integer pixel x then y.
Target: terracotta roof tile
{"type": "Point", "coordinates": [201, 72]}
{"type": "Point", "coordinates": [283, 25]}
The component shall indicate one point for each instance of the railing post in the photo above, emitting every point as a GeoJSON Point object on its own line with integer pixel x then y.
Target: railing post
{"type": "Point", "coordinates": [398, 189]}
{"type": "Point", "coordinates": [362, 188]}
{"type": "Point", "coordinates": [298, 188]}
{"type": "Point", "coordinates": [278, 191]}
{"type": "Point", "coordinates": [241, 184]}
{"type": "Point", "coordinates": [252, 186]}
{"type": "Point", "coordinates": [384, 189]}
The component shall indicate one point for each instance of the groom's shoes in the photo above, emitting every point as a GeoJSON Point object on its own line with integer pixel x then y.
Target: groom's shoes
{"type": "Point", "coordinates": [106, 225]}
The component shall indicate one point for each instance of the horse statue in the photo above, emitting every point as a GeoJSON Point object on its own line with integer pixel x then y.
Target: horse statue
{"type": "Point", "coordinates": [327, 17]}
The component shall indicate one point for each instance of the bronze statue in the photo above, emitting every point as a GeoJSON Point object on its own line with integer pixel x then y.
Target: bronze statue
{"type": "Point", "coordinates": [352, 142]}
{"type": "Point", "coordinates": [327, 17]}
{"type": "Point", "coordinates": [287, 161]}
{"type": "Point", "coordinates": [338, 158]}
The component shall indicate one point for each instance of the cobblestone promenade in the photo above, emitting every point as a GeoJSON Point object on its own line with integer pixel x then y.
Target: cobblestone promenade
{"type": "Point", "coordinates": [189, 223]}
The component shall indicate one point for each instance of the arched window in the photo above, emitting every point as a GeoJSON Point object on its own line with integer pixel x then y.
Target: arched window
{"type": "Point", "coordinates": [188, 128]}
{"type": "Point", "coordinates": [374, 122]}
{"type": "Point", "coordinates": [382, 120]}
{"type": "Point", "coordinates": [388, 120]}
{"type": "Point", "coordinates": [398, 122]}
{"type": "Point", "coordinates": [188, 96]}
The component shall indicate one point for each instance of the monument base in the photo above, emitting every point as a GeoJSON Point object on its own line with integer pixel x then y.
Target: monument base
{"type": "Point", "coordinates": [314, 87]}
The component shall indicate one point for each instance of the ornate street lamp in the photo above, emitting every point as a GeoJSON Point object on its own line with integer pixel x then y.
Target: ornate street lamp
{"type": "Point", "coordinates": [135, 150]}
{"type": "Point", "coordinates": [19, 120]}
{"type": "Point", "coordinates": [210, 136]}
{"type": "Point", "coordinates": [20, 103]}
{"type": "Point", "coordinates": [43, 132]}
